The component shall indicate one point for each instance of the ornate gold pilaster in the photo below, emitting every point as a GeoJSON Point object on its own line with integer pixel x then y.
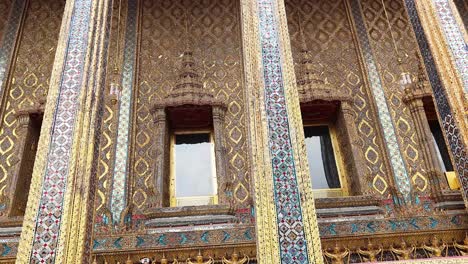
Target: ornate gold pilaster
{"type": "Point", "coordinates": [219, 114]}
{"type": "Point", "coordinates": [354, 156]}
{"type": "Point", "coordinates": [453, 115]}
{"type": "Point", "coordinates": [414, 99]}
{"type": "Point", "coordinates": [57, 223]}
{"type": "Point", "coordinates": [275, 130]}
{"type": "Point", "coordinates": [160, 190]}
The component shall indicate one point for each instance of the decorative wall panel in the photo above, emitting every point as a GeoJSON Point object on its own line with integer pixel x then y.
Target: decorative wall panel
{"type": "Point", "coordinates": [30, 80]}
{"type": "Point", "coordinates": [329, 36]}
{"type": "Point", "coordinates": [121, 166]}
{"type": "Point", "coordinates": [386, 120]}
{"type": "Point", "coordinates": [380, 31]}
{"type": "Point", "coordinates": [455, 37]}
{"type": "Point", "coordinates": [214, 38]}
{"type": "Point", "coordinates": [449, 124]}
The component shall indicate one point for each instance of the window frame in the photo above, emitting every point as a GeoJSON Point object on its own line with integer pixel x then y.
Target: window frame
{"type": "Point", "coordinates": [173, 199]}
{"type": "Point", "coordinates": [342, 174]}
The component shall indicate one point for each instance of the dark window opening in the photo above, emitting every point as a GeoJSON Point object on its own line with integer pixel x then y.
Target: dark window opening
{"type": "Point", "coordinates": [438, 139]}
{"type": "Point", "coordinates": [192, 138]}
{"type": "Point", "coordinates": [437, 135]}
{"type": "Point", "coordinates": [322, 164]}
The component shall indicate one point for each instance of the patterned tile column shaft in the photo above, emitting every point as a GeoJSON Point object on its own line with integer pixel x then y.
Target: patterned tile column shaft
{"type": "Point", "coordinates": [396, 159]}
{"type": "Point", "coordinates": [56, 224]}
{"type": "Point", "coordinates": [450, 114]}
{"type": "Point", "coordinates": [294, 213]}
{"type": "Point", "coordinates": [455, 36]}
{"type": "Point", "coordinates": [119, 184]}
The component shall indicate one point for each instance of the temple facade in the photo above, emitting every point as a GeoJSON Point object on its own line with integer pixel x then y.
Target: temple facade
{"type": "Point", "coordinates": [233, 131]}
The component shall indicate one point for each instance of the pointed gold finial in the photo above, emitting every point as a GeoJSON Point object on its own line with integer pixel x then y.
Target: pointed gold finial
{"type": "Point", "coordinates": [309, 76]}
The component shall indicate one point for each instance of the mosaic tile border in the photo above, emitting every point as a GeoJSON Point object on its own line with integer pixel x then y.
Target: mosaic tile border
{"type": "Point", "coordinates": [452, 131]}
{"type": "Point", "coordinates": [329, 229]}
{"type": "Point", "coordinates": [292, 241]}
{"type": "Point", "coordinates": [9, 39]}
{"type": "Point", "coordinates": [50, 213]}
{"type": "Point", "coordinates": [454, 38]}
{"type": "Point", "coordinates": [214, 236]}
{"type": "Point", "coordinates": [228, 234]}
{"type": "Point", "coordinates": [396, 159]}
{"type": "Point", "coordinates": [120, 173]}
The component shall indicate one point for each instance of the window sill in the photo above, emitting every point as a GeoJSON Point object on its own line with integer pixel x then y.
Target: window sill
{"type": "Point", "coordinates": [347, 201]}
{"type": "Point", "coordinates": [165, 212]}
{"type": "Point", "coordinates": [195, 220]}
{"type": "Point", "coordinates": [349, 206]}
{"type": "Point", "coordinates": [14, 221]}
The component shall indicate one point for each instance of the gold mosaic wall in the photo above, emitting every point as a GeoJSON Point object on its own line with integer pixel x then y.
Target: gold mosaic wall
{"type": "Point", "coordinates": [30, 79]}
{"type": "Point", "coordinates": [329, 36]}
{"type": "Point", "coordinates": [384, 53]}
{"type": "Point", "coordinates": [216, 42]}
{"type": "Point", "coordinates": [110, 110]}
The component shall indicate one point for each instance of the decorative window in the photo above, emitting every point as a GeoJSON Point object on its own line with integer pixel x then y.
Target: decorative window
{"type": "Point", "coordinates": [325, 147]}
{"type": "Point", "coordinates": [193, 175]}
{"type": "Point", "coordinates": [323, 170]}
{"type": "Point", "coordinates": [190, 131]}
